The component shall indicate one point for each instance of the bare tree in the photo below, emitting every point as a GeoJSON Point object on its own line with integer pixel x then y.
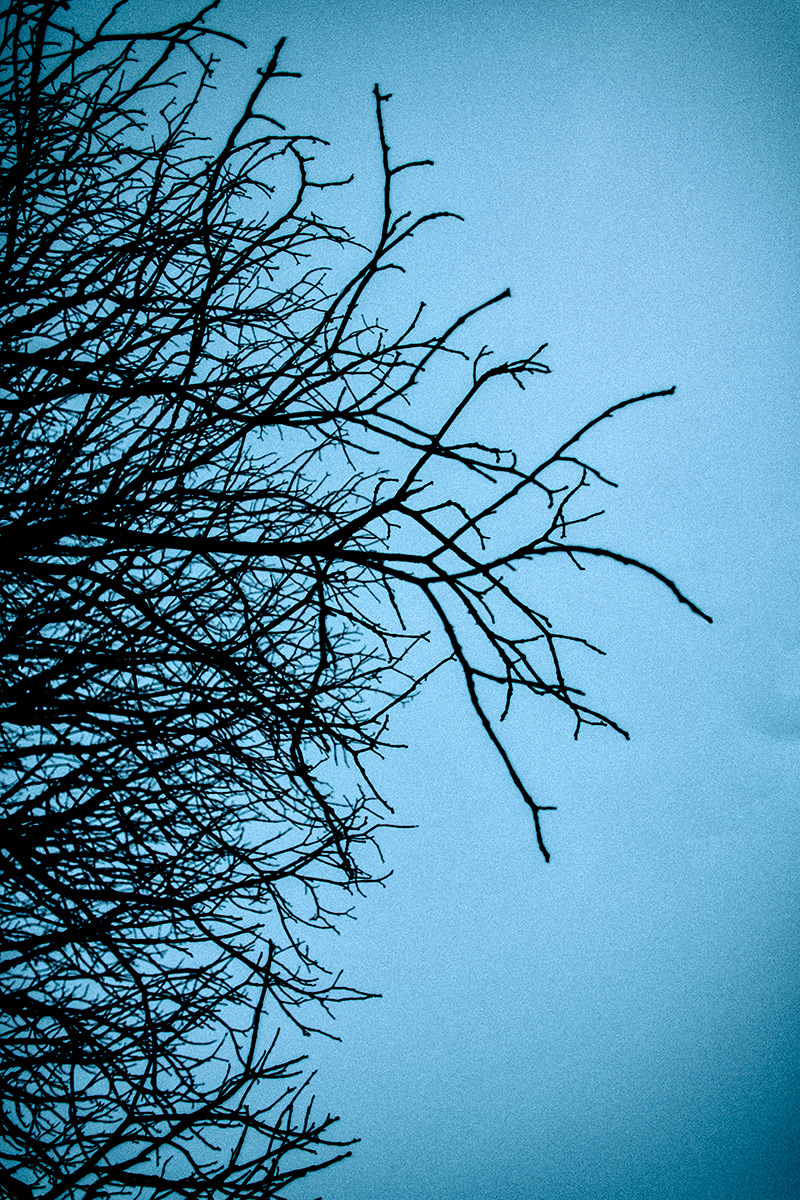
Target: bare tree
{"type": "Point", "coordinates": [219, 504]}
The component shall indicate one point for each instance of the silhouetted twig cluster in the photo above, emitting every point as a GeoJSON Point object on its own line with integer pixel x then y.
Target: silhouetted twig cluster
{"type": "Point", "coordinates": [217, 506]}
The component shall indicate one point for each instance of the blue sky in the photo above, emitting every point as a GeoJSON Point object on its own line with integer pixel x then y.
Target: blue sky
{"type": "Point", "coordinates": [623, 1021]}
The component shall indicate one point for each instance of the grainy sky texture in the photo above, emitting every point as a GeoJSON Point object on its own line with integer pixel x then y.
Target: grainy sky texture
{"type": "Point", "coordinates": [620, 1023]}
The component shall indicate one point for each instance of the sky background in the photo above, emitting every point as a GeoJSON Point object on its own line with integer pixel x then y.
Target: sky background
{"type": "Point", "coordinates": [623, 1021]}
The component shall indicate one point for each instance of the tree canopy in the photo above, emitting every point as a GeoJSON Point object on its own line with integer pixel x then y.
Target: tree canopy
{"type": "Point", "coordinates": [222, 508]}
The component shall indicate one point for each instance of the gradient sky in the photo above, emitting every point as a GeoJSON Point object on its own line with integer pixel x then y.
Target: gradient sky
{"type": "Point", "coordinates": [620, 1023]}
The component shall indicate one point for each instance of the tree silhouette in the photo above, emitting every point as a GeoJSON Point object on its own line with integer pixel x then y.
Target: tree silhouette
{"type": "Point", "coordinates": [221, 509]}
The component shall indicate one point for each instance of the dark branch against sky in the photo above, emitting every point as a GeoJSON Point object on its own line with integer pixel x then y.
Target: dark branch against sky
{"type": "Point", "coordinates": [204, 616]}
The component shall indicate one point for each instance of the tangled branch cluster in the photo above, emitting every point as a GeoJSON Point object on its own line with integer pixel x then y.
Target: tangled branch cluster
{"type": "Point", "coordinates": [205, 576]}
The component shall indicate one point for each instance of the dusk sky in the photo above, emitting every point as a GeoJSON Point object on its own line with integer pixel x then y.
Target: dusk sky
{"type": "Point", "coordinates": [621, 1022]}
